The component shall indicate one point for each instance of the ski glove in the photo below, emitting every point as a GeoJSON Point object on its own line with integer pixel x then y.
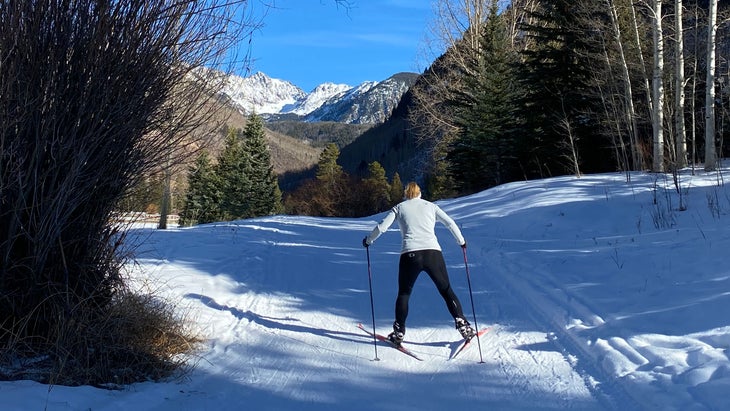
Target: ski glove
{"type": "Point", "coordinates": [365, 242]}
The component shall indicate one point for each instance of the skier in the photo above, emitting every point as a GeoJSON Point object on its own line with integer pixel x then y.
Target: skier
{"type": "Point", "coordinates": [420, 252]}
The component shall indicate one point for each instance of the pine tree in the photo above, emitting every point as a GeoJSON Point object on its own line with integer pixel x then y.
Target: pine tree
{"type": "Point", "coordinates": [328, 170]}
{"type": "Point", "coordinates": [331, 197]}
{"type": "Point", "coordinates": [203, 196]}
{"type": "Point", "coordinates": [482, 154]}
{"type": "Point", "coordinates": [265, 195]}
{"type": "Point", "coordinates": [555, 76]}
{"type": "Point", "coordinates": [396, 189]}
{"type": "Point", "coordinates": [440, 182]}
{"type": "Point", "coordinates": [377, 189]}
{"type": "Point", "coordinates": [232, 171]}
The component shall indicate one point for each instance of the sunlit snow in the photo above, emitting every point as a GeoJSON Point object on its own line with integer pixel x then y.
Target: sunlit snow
{"type": "Point", "coordinates": [599, 292]}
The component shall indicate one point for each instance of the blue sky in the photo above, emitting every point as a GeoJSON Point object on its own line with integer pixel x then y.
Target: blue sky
{"type": "Point", "coordinates": [309, 42]}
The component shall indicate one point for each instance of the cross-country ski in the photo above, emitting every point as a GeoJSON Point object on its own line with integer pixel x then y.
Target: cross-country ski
{"type": "Point", "coordinates": [385, 339]}
{"type": "Point", "coordinates": [466, 343]}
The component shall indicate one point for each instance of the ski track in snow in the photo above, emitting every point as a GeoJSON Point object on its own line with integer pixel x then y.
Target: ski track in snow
{"type": "Point", "coordinates": [293, 338]}
{"type": "Point", "coordinates": [520, 368]}
{"type": "Point", "coordinates": [586, 313]}
{"type": "Point", "coordinates": [542, 309]}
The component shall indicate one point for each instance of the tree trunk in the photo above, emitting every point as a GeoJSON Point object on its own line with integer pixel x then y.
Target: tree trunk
{"type": "Point", "coordinates": [166, 198]}
{"type": "Point", "coordinates": [642, 64]}
{"type": "Point", "coordinates": [710, 151]}
{"type": "Point", "coordinates": [679, 96]}
{"type": "Point", "coordinates": [629, 96]}
{"type": "Point", "coordinates": [658, 90]}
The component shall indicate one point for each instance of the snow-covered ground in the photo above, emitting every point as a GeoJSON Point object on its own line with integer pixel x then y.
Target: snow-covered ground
{"type": "Point", "coordinates": [600, 295]}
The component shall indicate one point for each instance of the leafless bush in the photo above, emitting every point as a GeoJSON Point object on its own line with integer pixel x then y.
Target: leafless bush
{"type": "Point", "coordinates": [139, 337]}
{"type": "Point", "coordinates": [662, 212]}
{"type": "Point", "coordinates": [93, 94]}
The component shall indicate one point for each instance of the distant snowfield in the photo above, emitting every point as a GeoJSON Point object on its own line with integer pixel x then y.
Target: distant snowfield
{"type": "Point", "coordinates": [600, 295]}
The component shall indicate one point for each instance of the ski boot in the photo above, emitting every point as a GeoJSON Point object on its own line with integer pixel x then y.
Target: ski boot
{"type": "Point", "coordinates": [465, 329]}
{"type": "Point", "coordinates": [396, 337]}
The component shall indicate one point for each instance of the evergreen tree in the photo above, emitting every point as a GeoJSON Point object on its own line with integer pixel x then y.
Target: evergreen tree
{"type": "Point", "coordinates": [331, 197]}
{"type": "Point", "coordinates": [556, 77]}
{"type": "Point", "coordinates": [483, 153]}
{"type": "Point", "coordinates": [232, 171]}
{"type": "Point", "coordinates": [328, 171]}
{"type": "Point", "coordinates": [396, 190]}
{"type": "Point", "coordinates": [203, 196]}
{"type": "Point", "coordinates": [265, 195]}
{"type": "Point", "coordinates": [440, 182]}
{"type": "Point", "coordinates": [377, 189]}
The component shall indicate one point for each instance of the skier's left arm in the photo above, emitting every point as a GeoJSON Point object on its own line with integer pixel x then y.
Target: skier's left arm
{"type": "Point", "coordinates": [451, 225]}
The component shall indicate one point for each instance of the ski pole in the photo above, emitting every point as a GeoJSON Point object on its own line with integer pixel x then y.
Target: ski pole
{"type": "Point", "coordinates": [372, 306]}
{"type": "Point", "coordinates": [474, 314]}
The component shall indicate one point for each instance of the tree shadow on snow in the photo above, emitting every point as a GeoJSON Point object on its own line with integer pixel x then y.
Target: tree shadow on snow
{"type": "Point", "coordinates": [285, 323]}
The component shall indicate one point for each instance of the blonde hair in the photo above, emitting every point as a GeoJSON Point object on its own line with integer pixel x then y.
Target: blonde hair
{"type": "Point", "coordinates": [412, 191]}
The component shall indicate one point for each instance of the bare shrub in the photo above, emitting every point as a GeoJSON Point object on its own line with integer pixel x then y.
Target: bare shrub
{"type": "Point", "coordinates": [142, 337]}
{"type": "Point", "coordinates": [93, 94]}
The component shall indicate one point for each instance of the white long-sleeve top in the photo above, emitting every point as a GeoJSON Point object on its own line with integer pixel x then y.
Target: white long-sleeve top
{"type": "Point", "coordinates": [417, 220]}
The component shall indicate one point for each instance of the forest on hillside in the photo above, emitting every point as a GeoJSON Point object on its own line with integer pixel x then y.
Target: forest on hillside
{"type": "Point", "coordinates": [321, 133]}
{"type": "Point", "coordinates": [532, 88]}
{"type": "Point", "coordinates": [529, 89]}
{"type": "Point", "coordinates": [535, 88]}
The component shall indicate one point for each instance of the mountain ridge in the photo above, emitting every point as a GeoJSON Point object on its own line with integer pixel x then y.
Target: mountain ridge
{"type": "Point", "coordinates": [370, 102]}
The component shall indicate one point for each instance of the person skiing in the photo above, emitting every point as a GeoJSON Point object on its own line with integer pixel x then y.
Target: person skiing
{"type": "Point", "coordinates": [420, 252]}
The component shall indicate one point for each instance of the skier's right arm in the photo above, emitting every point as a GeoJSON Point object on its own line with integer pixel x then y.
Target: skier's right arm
{"type": "Point", "coordinates": [451, 225]}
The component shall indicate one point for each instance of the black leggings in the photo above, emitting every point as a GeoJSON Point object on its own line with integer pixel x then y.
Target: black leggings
{"type": "Point", "coordinates": [410, 266]}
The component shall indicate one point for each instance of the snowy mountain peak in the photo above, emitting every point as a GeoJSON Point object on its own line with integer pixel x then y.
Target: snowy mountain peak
{"type": "Point", "coordinates": [316, 98]}
{"type": "Point", "coordinates": [369, 102]}
{"type": "Point", "coordinates": [329, 89]}
{"type": "Point", "coordinates": [262, 94]}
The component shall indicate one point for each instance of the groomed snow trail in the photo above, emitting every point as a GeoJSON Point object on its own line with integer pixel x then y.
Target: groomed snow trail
{"type": "Point", "coordinates": [600, 292]}
{"type": "Point", "coordinates": [281, 310]}
{"type": "Point", "coordinates": [543, 307]}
